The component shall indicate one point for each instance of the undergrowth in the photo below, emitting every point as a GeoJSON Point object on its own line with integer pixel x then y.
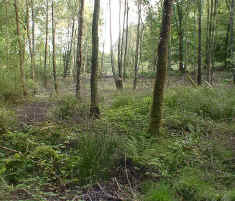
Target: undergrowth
{"type": "Point", "coordinates": [192, 161]}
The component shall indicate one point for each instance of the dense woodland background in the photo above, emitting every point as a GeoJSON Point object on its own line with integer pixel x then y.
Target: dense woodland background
{"type": "Point", "coordinates": [148, 115]}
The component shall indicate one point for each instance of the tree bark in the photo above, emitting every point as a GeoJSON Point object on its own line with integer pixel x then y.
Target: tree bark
{"type": "Point", "coordinates": [199, 75]}
{"type": "Point", "coordinates": [181, 38]}
{"type": "Point", "coordinates": [54, 49]}
{"type": "Point", "coordinates": [125, 63]}
{"type": "Point", "coordinates": [231, 33]}
{"type": "Point", "coordinates": [46, 46]}
{"type": "Point", "coordinates": [111, 47]}
{"type": "Point", "coordinates": [102, 61]}
{"type": "Point", "coordinates": [33, 43]}
{"type": "Point", "coordinates": [119, 78]}
{"type": "Point", "coordinates": [79, 49]}
{"type": "Point", "coordinates": [211, 25]}
{"type": "Point", "coordinates": [68, 51]}
{"type": "Point", "coordinates": [137, 47]}
{"type": "Point", "coordinates": [94, 108]}
{"type": "Point", "coordinates": [21, 49]}
{"type": "Point", "coordinates": [156, 111]}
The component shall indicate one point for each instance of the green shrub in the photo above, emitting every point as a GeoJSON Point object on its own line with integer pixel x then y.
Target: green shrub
{"type": "Point", "coordinates": [9, 90]}
{"type": "Point", "coordinates": [215, 103]}
{"type": "Point", "coordinates": [121, 101]}
{"type": "Point", "coordinates": [45, 161]}
{"type": "Point", "coordinates": [130, 117]}
{"type": "Point", "coordinates": [148, 74]}
{"type": "Point", "coordinates": [7, 119]}
{"type": "Point", "coordinates": [160, 192]}
{"type": "Point", "coordinates": [19, 141]}
{"type": "Point", "coordinates": [69, 107]}
{"type": "Point", "coordinates": [13, 169]}
{"type": "Point", "coordinates": [229, 196]}
{"type": "Point", "coordinates": [191, 186]}
{"type": "Point", "coordinates": [97, 153]}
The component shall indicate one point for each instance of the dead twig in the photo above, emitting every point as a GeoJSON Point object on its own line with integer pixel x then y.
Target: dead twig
{"type": "Point", "coordinates": [128, 180]}
{"type": "Point", "coordinates": [11, 150]}
{"type": "Point", "coordinates": [191, 81]}
{"type": "Point", "coordinates": [118, 185]}
{"type": "Point", "coordinates": [208, 84]}
{"type": "Point", "coordinates": [109, 196]}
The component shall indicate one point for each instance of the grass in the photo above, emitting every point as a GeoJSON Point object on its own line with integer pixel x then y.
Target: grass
{"type": "Point", "coordinates": [191, 162]}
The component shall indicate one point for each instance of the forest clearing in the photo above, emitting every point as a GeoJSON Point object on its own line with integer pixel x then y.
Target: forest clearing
{"type": "Point", "coordinates": [106, 100]}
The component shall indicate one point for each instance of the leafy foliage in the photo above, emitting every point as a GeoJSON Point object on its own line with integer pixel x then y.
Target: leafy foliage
{"type": "Point", "coordinates": [7, 119]}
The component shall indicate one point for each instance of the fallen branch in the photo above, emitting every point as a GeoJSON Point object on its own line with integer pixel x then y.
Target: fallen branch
{"type": "Point", "coordinates": [109, 196]}
{"type": "Point", "coordinates": [118, 185]}
{"type": "Point", "coordinates": [191, 81]}
{"type": "Point", "coordinates": [208, 84]}
{"type": "Point", "coordinates": [11, 150]}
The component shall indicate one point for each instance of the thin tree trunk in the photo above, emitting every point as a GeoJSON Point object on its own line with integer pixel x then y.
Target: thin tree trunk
{"type": "Point", "coordinates": [94, 108]}
{"type": "Point", "coordinates": [119, 78]}
{"type": "Point", "coordinates": [46, 47]}
{"type": "Point", "coordinates": [227, 47]}
{"type": "Point", "coordinates": [86, 55]}
{"type": "Point", "coordinates": [210, 28]}
{"type": "Point", "coordinates": [33, 43]}
{"type": "Point", "coordinates": [231, 32]}
{"type": "Point", "coordinates": [79, 49]}
{"type": "Point", "coordinates": [137, 47]}
{"type": "Point", "coordinates": [54, 49]}
{"type": "Point", "coordinates": [102, 62]}
{"type": "Point", "coordinates": [122, 43]}
{"type": "Point", "coordinates": [111, 47]}
{"type": "Point", "coordinates": [156, 111]}
{"type": "Point", "coordinates": [29, 37]}
{"type": "Point", "coordinates": [69, 51]}
{"type": "Point", "coordinates": [181, 38]}
{"type": "Point", "coordinates": [21, 49]}
{"type": "Point", "coordinates": [7, 37]}
{"type": "Point", "coordinates": [199, 75]}
{"type": "Point", "coordinates": [126, 42]}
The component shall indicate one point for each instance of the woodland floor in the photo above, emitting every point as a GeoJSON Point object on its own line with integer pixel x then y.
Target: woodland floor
{"type": "Point", "coordinates": [34, 112]}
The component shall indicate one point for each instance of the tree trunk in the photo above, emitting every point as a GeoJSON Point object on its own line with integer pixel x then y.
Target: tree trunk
{"type": "Point", "coordinates": [227, 47]}
{"type": "Point", "coordinates": [102, 61]}
{"type": "Point", "coordinates": [199, 75]}
{"type": "Point", "coordinates": [181, 38]}
{"type": "Point", "coordinates": [211, 18]}
{"type": "Point", "coordinates": [111, 48]}
{"type": "Point", "coordinates": [231, 33]}
{"type": "Point", "coordinates": [119, 78]}
{"type": "Point", "coordinates": [125, 63]}
{"type": "Point", "coordinates": [137, 47]}
{"type": "Point", "coordinates": [156, 111]}
{"type": "Point", "coordinates": [54, 48]}
{"type": "Point", "coordinates": [46, 47]}
{"type": "Point", "coordinates": [68, 52]}
{"type": "Point", "coordinates": [79, 48]}
{"type": "Point", "coordinates": [21, 49]}
{"type": "Point", "coordinates": [33, 43]}
{"type": "Point", "coordinates": [94, 108]}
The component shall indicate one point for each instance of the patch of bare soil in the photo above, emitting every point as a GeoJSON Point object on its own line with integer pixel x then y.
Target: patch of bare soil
{"type": "Point", "coordinates": [33, 112]}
